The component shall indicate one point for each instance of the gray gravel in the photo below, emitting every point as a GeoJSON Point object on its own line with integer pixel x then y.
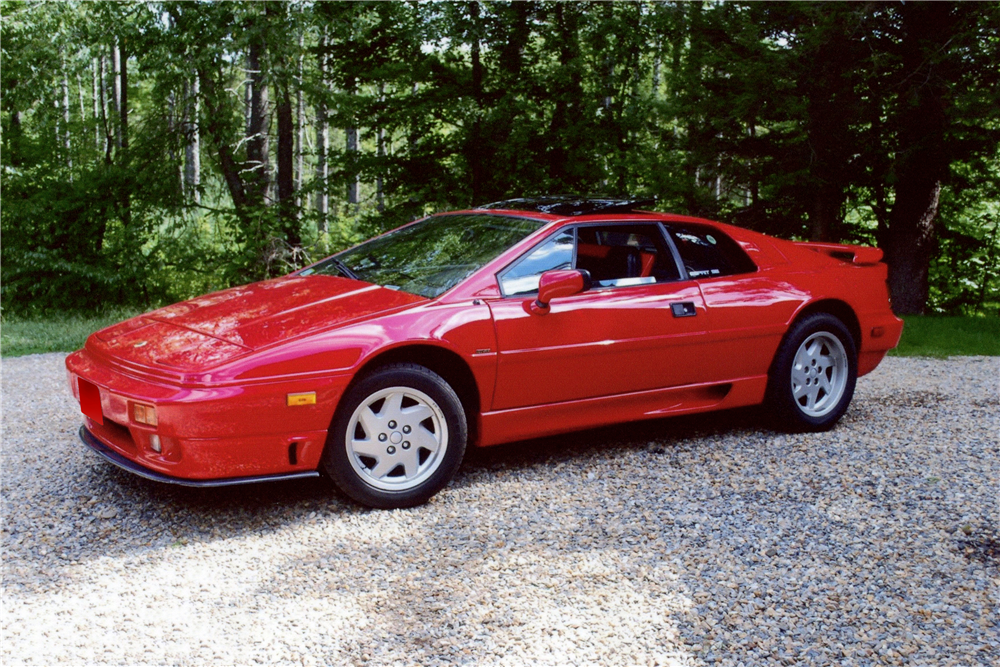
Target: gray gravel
{"type": "Point", "coordinates": [702, 540]}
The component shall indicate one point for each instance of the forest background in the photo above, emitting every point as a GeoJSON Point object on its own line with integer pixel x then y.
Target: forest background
{"type": "Point", "coordinates": [152, 151]}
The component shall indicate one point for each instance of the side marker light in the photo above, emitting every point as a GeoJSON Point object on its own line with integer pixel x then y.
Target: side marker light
{"type": "Point", "coordinates": [303, 398]}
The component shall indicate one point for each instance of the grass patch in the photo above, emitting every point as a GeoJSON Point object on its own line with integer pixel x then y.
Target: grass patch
{"type": "Point", "coordinates": [933, 336]}
{"type": "Point", "coordinates": [53, 333]}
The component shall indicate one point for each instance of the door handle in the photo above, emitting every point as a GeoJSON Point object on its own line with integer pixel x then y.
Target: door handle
{"type": "Point", "coordinates": [683, 309]}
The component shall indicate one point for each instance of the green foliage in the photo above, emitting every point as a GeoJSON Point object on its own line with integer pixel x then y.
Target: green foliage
{"type": "Point", "coordinates": [795, 119]}
{"type": "Point", "coordinates": [934, 336]}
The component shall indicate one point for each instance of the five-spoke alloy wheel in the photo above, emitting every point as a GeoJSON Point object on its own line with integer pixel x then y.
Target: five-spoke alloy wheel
{"type": "Point", "coordinates": [814, 373]}
{"type": "Point", "coordinates": [398, 437]}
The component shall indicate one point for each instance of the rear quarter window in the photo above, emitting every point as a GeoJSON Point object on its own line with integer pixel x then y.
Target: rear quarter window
{"type": "Point", "coordinates": [707, 253]}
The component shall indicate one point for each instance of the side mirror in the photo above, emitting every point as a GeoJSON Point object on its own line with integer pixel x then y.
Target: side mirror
{"type": "Point", "coordinates": [553, 284]}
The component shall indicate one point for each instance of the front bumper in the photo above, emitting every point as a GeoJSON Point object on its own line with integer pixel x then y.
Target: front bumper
{"type": "Point", "coordinates": [128, 465]}
{"type": "Point", "coordinates": [207, 433]}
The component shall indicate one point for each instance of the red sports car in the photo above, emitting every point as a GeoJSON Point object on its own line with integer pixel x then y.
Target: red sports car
{"type": "Point", "coordinates": [515, 320]}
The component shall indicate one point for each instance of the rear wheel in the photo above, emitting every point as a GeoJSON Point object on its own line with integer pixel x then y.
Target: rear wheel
{"type": "Point", "coordinates": [398, 437]}
{"type": "Point", "coordinates": [813, 376]}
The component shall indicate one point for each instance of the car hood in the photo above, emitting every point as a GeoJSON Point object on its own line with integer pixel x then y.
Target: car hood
{"type": "Point", "coordinates": [217, 327]}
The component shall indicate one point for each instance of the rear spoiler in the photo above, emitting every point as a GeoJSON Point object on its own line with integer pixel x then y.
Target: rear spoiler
{"type": "Point", "coordinates": [855, 254]}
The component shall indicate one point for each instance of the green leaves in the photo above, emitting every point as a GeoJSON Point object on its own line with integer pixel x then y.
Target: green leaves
{"type": "Point", "coordinates": [791, 118]}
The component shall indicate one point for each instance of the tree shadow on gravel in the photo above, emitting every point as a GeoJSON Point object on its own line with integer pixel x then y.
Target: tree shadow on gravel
{"type": "Point", "coordinates": [95, 510]}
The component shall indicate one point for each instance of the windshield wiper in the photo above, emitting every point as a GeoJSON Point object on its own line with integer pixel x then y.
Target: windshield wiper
{"type": "Point", "coordinates": [344, 269]}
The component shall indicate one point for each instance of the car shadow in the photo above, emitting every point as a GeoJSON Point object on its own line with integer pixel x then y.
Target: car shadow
{"type": "Point", "coordinates": [655, 435]}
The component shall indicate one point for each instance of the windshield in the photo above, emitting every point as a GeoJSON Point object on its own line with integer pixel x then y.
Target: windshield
{"type": "Point", "coordinates": [431, 256]}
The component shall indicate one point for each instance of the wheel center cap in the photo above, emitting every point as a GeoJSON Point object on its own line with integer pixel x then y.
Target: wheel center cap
{"type": "Point", "coordinates": [396, 437]}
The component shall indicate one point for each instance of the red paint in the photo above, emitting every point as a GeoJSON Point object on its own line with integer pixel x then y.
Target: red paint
{"type": "Point", "coordinates": [219, 368]}
{"type": "Point", "coordinates": [90, 401]}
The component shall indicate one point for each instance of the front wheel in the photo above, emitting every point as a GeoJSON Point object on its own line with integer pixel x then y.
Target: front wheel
{"type": "Point", "coordinates": [813, 376]}
{"type": "Point", "coordinates": [398, 437]}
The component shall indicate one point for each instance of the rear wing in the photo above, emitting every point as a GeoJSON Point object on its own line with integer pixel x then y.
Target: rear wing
{"type": "Point", "coordinates": [854, 254]}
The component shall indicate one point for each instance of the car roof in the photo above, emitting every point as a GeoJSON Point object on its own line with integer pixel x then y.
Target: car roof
{"type": "Point", "coordinates": [565, 208]}
{"type": "Point", "coordinates": [569, 206]}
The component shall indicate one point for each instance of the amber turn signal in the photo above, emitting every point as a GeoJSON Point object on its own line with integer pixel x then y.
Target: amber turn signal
{"type": "Point", "coordinates": [304, 398]}
{"type": "Point", "coordinates": [144, 414]}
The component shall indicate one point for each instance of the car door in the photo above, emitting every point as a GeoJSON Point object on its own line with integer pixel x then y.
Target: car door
{"type": "Point", "coordinates": [747, 311]}
{"type": "Point", "coordinates": [639, 327]}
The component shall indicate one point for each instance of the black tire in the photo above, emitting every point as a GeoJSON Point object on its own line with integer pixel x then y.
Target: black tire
{"type": "Point", "coordinates": [376, 464]}
{"type": "Point", "coordinates": [813, 394]}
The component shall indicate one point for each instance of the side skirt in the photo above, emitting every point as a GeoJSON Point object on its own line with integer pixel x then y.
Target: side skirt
{"type": "Point", "coordinates": [502, 426]}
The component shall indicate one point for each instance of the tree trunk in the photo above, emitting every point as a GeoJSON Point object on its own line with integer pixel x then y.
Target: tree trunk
{"type": "Point", "coordinates": [126, 205]}
{"type": "Point", "coordinates": [65, 118]}
{"type": "Point", "coordinates": [657, 59]}
{"type": "Point", "coordinates": [123, 98]}
{"type": "Point", "coordinates": [380, 152]}
{"type": "Point", "coordinates": [116, 92]}
{"type": "Point", "coordinates": [352, 152]}
{"type": "Point", "coordinates": [475, 149]}
{"type": "Point", "coordinates": [108, 139]}
{"type": "Point", "coordinates": [258, 178]}
{"type": "Point", "coordinates": [300, 130]}
{"type": "Point", "coordinates": [215, 127]}
{"type": "Point", "coordinates": [824, 218]}
{"type": "Point", "coordinates": [286, 166]}
{"type": "Point", "coordinates": [832, 107]}
{"type": "Point", "coordinates": [694, 141]}
{"type": "Point", "coordinates": [922, 161]}
{"type": "Point", "coordinates": [83, 104]}
{"type": "Point", "coordinates": [192, 140]}
{"type": "Point", "coordinates": [285, 172]}
{"type": "Point", "coordinates": [911, 243]}
{"type": "Point", "coordinates": [567, 92]}
{"type": "Point", "coordinates": [322, 140]}
{"type": "Point", "coordinates": [97, 100]}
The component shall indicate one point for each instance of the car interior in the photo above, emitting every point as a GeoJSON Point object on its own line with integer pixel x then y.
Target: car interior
{"type": "Point", "coordinates": [624, 255]}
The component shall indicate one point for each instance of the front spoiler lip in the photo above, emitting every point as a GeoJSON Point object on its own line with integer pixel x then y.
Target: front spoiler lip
{"type": "Point", "coordinates": [117, 459]}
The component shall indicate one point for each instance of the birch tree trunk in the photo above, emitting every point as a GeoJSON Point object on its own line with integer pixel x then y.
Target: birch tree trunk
{"type": "Point", "coordinates": [97, 97]}
{"type": "Point", "coordinates": [65, 119]}
{"type": "Point", "coordinates": [116, 91]}
{"type": "Point", "coordinates": [83, 106]}
{"type": "Point", "coordinates": [123, 97]}
{"type": "Point", "coordinates": [352, 152]}
{"type": "Point", "coordinates": [192, 149]}
{"type": "Point", "coordinates": [108, 139]}
{"type": "Point", "coordinates": [122, 81]}
{"type": "Point", "coordinates": [322, 140]}
{"type": "Point", "coordinates": [380, 152]}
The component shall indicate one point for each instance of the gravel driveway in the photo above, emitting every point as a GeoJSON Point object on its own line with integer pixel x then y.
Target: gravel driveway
{"type": "Point", "coordinates": [699, 540]}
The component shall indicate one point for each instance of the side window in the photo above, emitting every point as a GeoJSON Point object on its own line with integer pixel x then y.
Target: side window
{"type": "Point", "coordinates": [556, 253]}
{"type": "Point", "coordinates": [624, 255]}
{"type": "Point", "coordinates": [708, 253]}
